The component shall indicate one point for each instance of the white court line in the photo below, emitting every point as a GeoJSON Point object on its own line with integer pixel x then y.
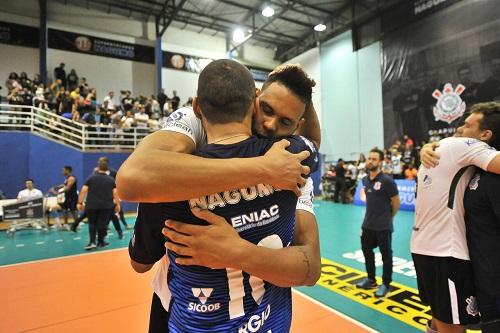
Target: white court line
{"type": "Point", "coordinates": [77, 238]}
{"type": "Point", "coordinates": [40, 243]}
{"type": "Point", "coordinates": [125, 232]}
{"type": "Point", "coordinates": [60, 258]}
{"type": "Point", "coordinates": [19, 245]}
{"type": "Point", "coordinates": [340, 314]}
{"type": "Point", "coordinates": [1, 247]}
{"type": "Point", "coordinates": [59, 240]}
{"type": "Point", "coordinates": [111, 234]}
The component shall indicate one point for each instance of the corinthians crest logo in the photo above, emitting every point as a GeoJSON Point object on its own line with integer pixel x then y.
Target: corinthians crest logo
{"type": "Point", "coordinates": [449, 105]}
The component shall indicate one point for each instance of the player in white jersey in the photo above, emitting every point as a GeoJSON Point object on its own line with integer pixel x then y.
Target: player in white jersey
{"type": "Point", "coordinates": [280, 114]}
{"type": "Point", "coordinates": [439, 245]}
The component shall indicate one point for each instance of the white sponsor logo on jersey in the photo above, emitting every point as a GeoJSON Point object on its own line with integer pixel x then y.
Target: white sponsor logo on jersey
{"type": "Point", "coordinates": [232, 197]}
{"type": "Point", "coordinates": [474, 183]}
{"type": "Point", "coordinates": [255, 217]}
{"type": "Point", "coordinates": [203, 294]}
{"type": "Point", "coordinates": [256, 322]}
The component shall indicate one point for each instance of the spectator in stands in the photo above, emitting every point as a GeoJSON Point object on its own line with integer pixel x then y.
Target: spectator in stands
{"type": "Point", "coordinates": [127, 100]}
{"type": "Point", "coordinates": [27, 97]}
{"type": "Point", "coordinates": [59, 99]}
{"type": "Point", "coordinates": [37, 80]}
{"type": "Point", "coordinates": [24, 80]}
{"type": "Point", "coordinates": [387, 165]}
{"type": "Point", "coordinates": [40, 100]}
{"type": "Point", "coordinates": [175, 101]}
{"type": "Point", "coordinates": [411, 172]}
{"type": "Point", "coordinates": [60, 74]}
{"type": "Point", "coordinates": [30, 192]}
{"type": "Point", "coordinates": [84, 87]}
{"type": "Point", "coordinates": [141, 118]}
{"type": "Point", "coordinates": [66, 105]}
{"type": "Point", "coordinates": [56, 87]}
{"type": "Point", "coordinates": [162, 98]}
{"type": "Point", "coordinates": [410, 155]}
{"type": "Point", "coordinates": [12, 82]}
{"type": "Point", "coordinates": [340, 182]}
{"type": "Point", "coordinates": [189, 102]}
{"type": "Point", "coordinates": [72, 79]}
{"type": "Point", "coordinates": [14, 97]}
{"type": "Point", "coordinates": [397, 164]}
{"type": "Point", "coordinates": [155, 106]}
{"type": "Point", "coordinates": [110, 105]}
{"type": "Point", "coordinates": [128, 121]}
{"type": "Point", "coordinates": [167, 108]}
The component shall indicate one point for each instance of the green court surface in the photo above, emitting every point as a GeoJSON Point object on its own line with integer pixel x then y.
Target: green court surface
{"type": "Point", "coordinates": [340, 247]}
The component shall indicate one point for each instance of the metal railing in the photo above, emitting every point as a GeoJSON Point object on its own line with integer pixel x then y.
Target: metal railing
{"type": "Point", "coordinates": [85, 137]}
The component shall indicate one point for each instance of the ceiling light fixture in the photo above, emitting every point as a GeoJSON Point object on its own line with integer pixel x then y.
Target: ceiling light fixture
{"type": "Point", "coordinates": [320, 27]}
{"type": "Point", "coordinates": [268, 12]}
{"type": "Point", "coordinates": [238, 35]}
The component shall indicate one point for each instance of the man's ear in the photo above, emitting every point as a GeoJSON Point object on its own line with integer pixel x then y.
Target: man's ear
{"type": "Point", "coordinates": [196, 108]}
{"type": "Point", "coordinates": [257, 92]}
{"type": "Point", "coordinates": [486, 135]}
{"type": "Point", "coordinates": [256, 106]}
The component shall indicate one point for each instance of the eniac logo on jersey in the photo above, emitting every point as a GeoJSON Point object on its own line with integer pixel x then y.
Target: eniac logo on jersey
{"type": "Point", "coordinates": [449, 105]}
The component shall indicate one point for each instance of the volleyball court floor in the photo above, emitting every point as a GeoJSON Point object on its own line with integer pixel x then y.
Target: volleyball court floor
{"type": "Point", "coordinates": [49, 283]}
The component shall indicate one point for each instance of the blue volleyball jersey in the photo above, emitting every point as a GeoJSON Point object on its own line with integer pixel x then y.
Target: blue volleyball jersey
{"type": "Point", "coordinates": [227, 300]}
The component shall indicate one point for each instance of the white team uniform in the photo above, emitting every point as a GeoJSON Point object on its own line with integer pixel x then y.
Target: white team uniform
{"type": "Point", "coordinates": [184, 121]}
{"type": "Point", "coordinates": [439, 228]}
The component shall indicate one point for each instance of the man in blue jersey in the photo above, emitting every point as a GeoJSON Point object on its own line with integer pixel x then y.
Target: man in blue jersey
{"type": "Point", "coordinates": [226, 299]}
{"type": "Point", "coordinates": [281, 113]}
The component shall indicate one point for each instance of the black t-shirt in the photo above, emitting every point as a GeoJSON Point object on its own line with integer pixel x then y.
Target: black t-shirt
{"type": "Point", "coordinates": [379, 192]}
{"type": "Point", "coordinates": [482, 221]}
{"type": "Point", "coordinates": [100, 195]}
{"type": "Point", "coordinates": [72, 193]}
{"type": "Point", "coordinates": [175, 102]}
{"type": "Point", "coordinates": [339, 171]}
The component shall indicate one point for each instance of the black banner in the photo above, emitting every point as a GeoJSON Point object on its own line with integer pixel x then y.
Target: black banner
{"type": "Point", "coordinates": [407, 12]}
{"type": "Point", "coordinates": [16, 34]}
{"type": "Point", "coordinates": [184, 62]}
{"type": "Point", "coordinates": [32, 209]}
{"type": "Point", "coordinates": [69, 41]}
{"type": "Point", "coordinates": [451, 61]}
{"type": "Point", "coordinates": [196, 64]}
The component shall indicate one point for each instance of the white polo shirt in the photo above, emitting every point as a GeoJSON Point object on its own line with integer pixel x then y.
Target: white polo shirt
{"type": "Point", "coordinates": [439, 228]}
{"type": "Point", "coordinates": [26, 194]}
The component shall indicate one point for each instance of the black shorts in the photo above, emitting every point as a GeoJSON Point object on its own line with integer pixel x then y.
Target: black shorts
{"type": "Point", "coordinates": [447, 285]}
{"type": "Point", "coordinates": [69, 204]}
{"type": "Point", "coordinates": [158, 318]}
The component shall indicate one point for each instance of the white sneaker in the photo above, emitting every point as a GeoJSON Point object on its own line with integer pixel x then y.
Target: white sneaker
{"type": "Point", "coordinates": [90, 246]}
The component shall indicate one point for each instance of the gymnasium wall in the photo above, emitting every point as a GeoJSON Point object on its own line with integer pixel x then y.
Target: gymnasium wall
{"type": "Point", "coordinates": [31, 156]}
{"type": "Point", "coordinates": [351, 98]}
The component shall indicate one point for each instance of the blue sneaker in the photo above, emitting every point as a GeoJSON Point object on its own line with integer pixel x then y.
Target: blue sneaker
{"type": "Point", "coordinates": [382, 291]}
{"type": "Point", "coordinates": [367, 283]}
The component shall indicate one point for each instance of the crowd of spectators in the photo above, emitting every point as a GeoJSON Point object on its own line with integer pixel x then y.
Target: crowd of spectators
{"type": "Point", "coordinates": [401, 161]}
{"type": "Point", "coordinates": [72, 97]}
